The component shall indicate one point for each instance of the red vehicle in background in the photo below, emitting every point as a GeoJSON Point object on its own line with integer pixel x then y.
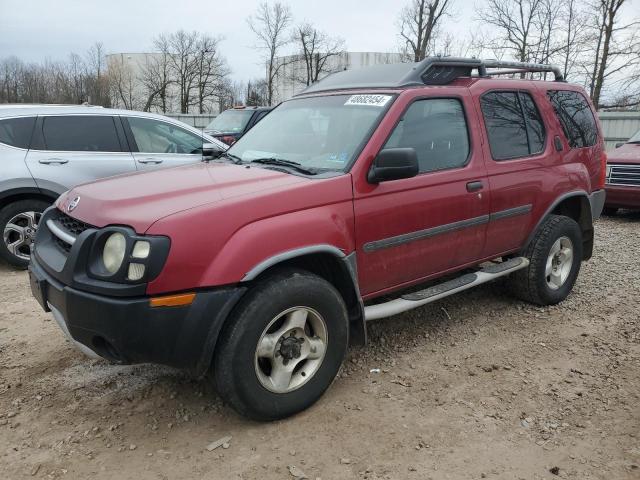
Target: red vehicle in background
{"type": "Point", "coordinates": [623, 177]}
{"type": "Point", "coordinates": [373, 192]}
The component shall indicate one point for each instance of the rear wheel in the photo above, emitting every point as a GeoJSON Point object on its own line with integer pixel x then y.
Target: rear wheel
{"type": "Point", "coordinates": [282, 347]}
{"type": "Point", "coordinates": [19, 223]}
{"type": "Point", "coordinates": [555, 255]}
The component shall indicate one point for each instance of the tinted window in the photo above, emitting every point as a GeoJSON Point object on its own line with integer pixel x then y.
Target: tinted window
{"type": "Point", "coordinates": [505, 124]}
{"type": "Point", "coordinates": [85, 133]}
{"type": "Point", "coordinates": [513, 124]}
{"type": "Point", "coordinates": [17, 131]}
{"type": "Point", "coordinates": [535, 127]}
{"type": "Point", "coordinates": [575, 116]}
{"type": "Point", "coordinates": [437, 129]}
{"type": "Point", "coordinates": [153, 136]}
{"type": "Point", "coordinates": [231, 121]}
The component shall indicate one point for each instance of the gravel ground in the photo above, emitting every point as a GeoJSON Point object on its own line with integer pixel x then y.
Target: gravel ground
{"type": "Point", "coordinates": [476, 386]}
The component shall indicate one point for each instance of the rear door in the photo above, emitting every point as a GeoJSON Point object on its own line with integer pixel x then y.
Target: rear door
{"type": "Point", "coordinates": [67, 150]}
{"type": "Point", "coordinates": [408, 230]}
{"type": "Point", "coordinates": [156, 143]}
{"type": "Point", "coordinates": [522, 164]}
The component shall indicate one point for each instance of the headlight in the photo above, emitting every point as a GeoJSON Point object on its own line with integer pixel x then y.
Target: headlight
{"type": "Point", "coordinates": [113, 253]}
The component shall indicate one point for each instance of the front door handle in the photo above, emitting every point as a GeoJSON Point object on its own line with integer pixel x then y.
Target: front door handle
{"type": "Point", "coordinates": [474, 186]}
{"type": "Point", "coordinates": [153, 161]}
{"type": "Point", "coordinates": [51, 161]}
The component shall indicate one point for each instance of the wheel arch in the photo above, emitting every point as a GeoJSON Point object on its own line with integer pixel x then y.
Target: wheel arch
{"type": "Point", "coordinates": [334, 266]}
{"type": "Point", "coordinates": [27, 193]}
{"type": "Point", "coordinates": [575, 205]}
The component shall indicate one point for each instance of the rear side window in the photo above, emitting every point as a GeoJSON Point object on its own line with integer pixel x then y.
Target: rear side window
{"type": "Point", "coordinates": [82, 133]}
{"type": "Point", "coordinates": [575, 116]}
{"type": "Point", "coordinates": [17, 131]}
{"type": "Point", "coordinates": [513, 124]}
{"type": "Point", "coordinates": [437, 130]}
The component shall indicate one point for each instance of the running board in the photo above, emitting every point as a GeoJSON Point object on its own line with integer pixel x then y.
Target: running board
{"type": "Point", "coordinates": [431, 294]}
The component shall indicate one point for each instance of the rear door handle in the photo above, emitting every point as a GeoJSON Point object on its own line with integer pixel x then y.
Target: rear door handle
{"type": "Point", "coordinates": [474, 186]}
{"type": "Point", "coordinates": [153, 161]}
{"type": "Point", "coordinates": [51, 161]}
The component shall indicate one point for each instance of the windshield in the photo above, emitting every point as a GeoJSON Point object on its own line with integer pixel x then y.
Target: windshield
{"type": "Point", "coordinates": [635, 138]}
{"type": "Point", "coordinates": [231, 121]}
{"type": "Point", "coordinates": [319, 133]}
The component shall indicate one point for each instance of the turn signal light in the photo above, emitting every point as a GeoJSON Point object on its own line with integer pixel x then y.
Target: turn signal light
{"type": "Point", "coordinates": [172, 300]}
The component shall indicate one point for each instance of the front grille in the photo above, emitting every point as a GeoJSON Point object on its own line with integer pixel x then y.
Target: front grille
{"type": "Point", "coordinates": [620, 174]}
{"type": "Point", "coordinates": [72, 226]}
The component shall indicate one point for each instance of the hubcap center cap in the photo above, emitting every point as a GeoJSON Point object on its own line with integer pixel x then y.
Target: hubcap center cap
{"type": "Point", "coordinates": [290, 348]}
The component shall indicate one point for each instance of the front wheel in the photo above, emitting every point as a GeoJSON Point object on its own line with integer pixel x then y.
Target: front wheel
{"type": "Point", "coordinates": [282, 347]}
{"type": "Point", "coordinates": [19, 223]}
{"type": "Point", "coordinates": [555, 256]}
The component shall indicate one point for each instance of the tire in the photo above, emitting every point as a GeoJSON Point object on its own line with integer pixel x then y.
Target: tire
{"type": "Point", "coordinates": [610, 211]}
{"type": "Point", "coordinates": [534, 284]}
{"type": "Point", "coordinates": [244, 375]}
{"type": "Point", "coordinates": [18, 224]}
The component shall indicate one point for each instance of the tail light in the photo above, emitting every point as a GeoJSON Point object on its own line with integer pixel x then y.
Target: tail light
{"type": "Point", "coordinates": [228, 139]}
{"type": "Point", "coordinates": [603, 169]}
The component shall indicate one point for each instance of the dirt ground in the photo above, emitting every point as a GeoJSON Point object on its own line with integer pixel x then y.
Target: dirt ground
{"type": "Point", "coordinates": [476, 386]}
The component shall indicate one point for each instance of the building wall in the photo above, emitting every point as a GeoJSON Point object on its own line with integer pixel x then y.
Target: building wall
{"type": "Point", "coordinates": [289, 81]}
{"type": "Point", "coordinates": [618, 126]}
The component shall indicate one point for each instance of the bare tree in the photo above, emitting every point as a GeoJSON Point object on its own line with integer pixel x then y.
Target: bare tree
{"type": "Point", "coordinates": [156, 76]}
{"type": "Point", "coordinates": [419, 22]}
{"type": "Point", "coordinates": [317, 49]}
{"type": "Point", "coordinates": [617, 46]}
{"type": "Point", "coordinates": [575, 39]}
{"type": "Point", "coordinates": [212, 71]}
{"type": "Point", "coordinates": [515, 21]}
{"type": "Point", "coordinates": [256, 93]}
{"type": "Point", "coordinates": [96, 80]}
{"type": "Point", "coordinates": [123, 84]}
{"type": "Point", "coordinates": [269, 24]}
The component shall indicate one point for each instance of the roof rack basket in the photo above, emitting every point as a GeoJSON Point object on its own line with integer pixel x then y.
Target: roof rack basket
{"type": "Point", "coordinates": [442, 70]}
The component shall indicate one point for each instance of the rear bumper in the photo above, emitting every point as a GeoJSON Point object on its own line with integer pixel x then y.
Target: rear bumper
{"type": "Point", "coordinates": [622, 197]}
{"type": "Point", "coordinates": [129, 330]}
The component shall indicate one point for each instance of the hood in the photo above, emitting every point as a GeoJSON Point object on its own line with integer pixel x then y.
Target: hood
{"type": "Point", "coordinates": [140, 199]}
{"type": "Point", "coordinates": [627, 153]}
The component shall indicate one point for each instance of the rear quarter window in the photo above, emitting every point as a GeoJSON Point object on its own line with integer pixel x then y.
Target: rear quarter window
{"type": "Point", "coordinates": [16, 132]}
{"type": "Point", "coordinates": [575, 116]}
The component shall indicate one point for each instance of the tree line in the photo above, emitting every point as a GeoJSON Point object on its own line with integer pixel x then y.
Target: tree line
{"type": "Point", "coordinates": [592, 41]}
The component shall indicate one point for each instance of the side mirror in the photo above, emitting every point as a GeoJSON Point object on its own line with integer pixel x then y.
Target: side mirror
{"type": "Point", "coordinates": [619, 144]}
{"type": "Point", "coordinates": [210, 151]}
{"type": "Point", "coordinates": [394, 164]}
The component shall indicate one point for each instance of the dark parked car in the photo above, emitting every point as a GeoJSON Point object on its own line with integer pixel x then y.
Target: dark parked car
{"type": "Point", "coordinates": [232, 124]}
{"type": "Point", "coordinates": [623, 177]}
{"type": "Point", "coordinates": [262, 264]}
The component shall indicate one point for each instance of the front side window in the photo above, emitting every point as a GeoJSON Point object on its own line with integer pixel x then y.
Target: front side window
{"type": "Point", "coordinates": [17, 131]}
{"type": "Point", "coordinates": [153, 136]}
{"type": "Point", "coordinates": [437, 130]}
{"type": "Point", "coordinates": [319, 133]}
{"type": "Point", "coordinates": [576, 117]}
{"type": "Point", "coordinates": [513, 124]}
{"type": "Point", "coordinates": [80, 133]}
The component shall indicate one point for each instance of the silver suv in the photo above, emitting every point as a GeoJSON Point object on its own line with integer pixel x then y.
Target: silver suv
{"type": "Point", "coordinates": [45, 150]}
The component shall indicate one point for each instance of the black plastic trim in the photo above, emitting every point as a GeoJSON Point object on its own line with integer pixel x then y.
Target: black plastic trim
{"type": "Point", "coordinates": [511, 212]}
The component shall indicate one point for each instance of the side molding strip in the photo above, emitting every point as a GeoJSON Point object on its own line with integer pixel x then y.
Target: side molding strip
{"type": "Point", "coordinates": [446, 228]}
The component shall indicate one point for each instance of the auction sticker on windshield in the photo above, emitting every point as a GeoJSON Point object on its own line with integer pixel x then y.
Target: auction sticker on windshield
{"type": "Point", "coordinates": [371, 100]}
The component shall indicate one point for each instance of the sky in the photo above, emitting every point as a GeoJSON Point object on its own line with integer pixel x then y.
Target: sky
{"type": "Point", "coordinates": [37, 29]}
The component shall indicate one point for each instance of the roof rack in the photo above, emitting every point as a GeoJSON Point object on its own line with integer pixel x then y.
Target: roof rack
{"type": "Point", "coordinates": [430, 71]}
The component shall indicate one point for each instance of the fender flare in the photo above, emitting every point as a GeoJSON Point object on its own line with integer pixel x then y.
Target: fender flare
{"type": "Point", "coordinates": [357, 323]}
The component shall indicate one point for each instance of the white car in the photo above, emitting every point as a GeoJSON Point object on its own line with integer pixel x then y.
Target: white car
{"type": "Point", "coordinates": [47, 149]}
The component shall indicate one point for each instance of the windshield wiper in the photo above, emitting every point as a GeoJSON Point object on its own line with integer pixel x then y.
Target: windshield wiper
{"type": "Point", "coordinates": [284, 163]}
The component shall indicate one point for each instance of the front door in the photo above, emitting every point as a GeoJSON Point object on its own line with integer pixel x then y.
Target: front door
{"type": "Point", "coordinates": [156, 143]}
{"type": "Point", "coordinates": [408, 230]}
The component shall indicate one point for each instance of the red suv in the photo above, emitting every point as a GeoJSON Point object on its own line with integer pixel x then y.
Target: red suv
{"type": "Point", "coordinates": [623, 177]}
{"type": "Point", "coordinates": [261, 264]}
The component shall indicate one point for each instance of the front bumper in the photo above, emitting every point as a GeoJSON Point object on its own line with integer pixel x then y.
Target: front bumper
{"type": "Point", "coordinates": [622, 197]}
{"type": "Point", "coordinates": [129, 330]}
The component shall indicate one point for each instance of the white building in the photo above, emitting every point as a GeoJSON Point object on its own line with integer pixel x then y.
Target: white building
{"type": "Point", "coordinates": [289, 84]}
